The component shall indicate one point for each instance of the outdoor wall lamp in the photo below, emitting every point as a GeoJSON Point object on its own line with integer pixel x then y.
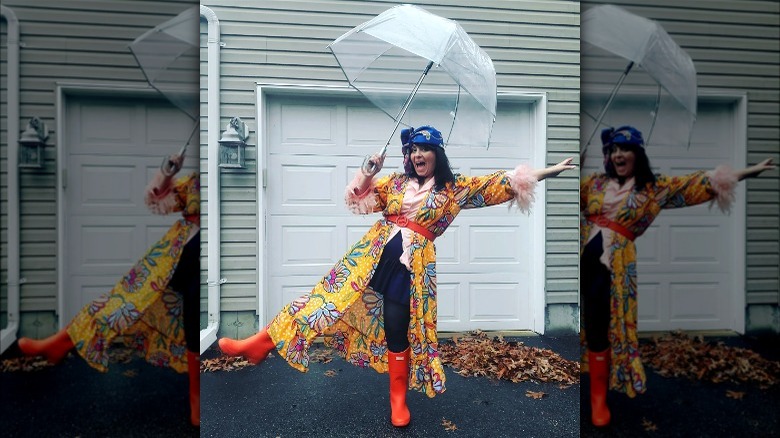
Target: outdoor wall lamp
{"type": "Point", "coordinates": [32, 142]}
{"type": "Point", "coordinates": [232, 145]}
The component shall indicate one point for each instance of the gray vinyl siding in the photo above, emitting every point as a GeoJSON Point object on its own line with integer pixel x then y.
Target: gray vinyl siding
{"type": "Point", "coordinates": [73, 41]}
{"type": "Point", "coordinates": [735, 46]}
{"type": "Point", "coordinates": [533, 44]}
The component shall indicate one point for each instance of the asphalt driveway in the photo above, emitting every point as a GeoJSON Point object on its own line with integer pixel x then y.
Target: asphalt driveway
{"type": "Point", "coordinates": [275, 400]}
{"type": "Point", "coordinates": [679, 407]}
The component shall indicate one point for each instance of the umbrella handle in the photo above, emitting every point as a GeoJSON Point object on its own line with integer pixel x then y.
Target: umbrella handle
{"type": "Point", "coordinates": [168, 167]}
{"type": "Point", "coordinates": [369, 168]}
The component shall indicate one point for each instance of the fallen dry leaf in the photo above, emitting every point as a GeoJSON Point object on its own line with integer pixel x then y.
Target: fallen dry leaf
{"type": "Point", "coordinates": [25, 364]}
{"type": "Point", "coordinates": [477, 355]}
{"type": "Point", "coordinates": [649, 425]}
{"type": "Point", "coordinates": [331, 373]}
{"type": "Point", "coordinates": [130, 373]}
{"type": "Point", "coordinates": [679, 355]}
{"type": "Point", "coordinates": [534, 395]}
{"type": "Point", "coordinates": [321, 355]}
{"type": "Point", "coordinates": [223, 363]}
{"type": "Point", "coordinates": [118, 354]}
{"type": "Point", "coordinates": [448, 425]}
{"type": "Point", "coordinates": [736, 395]}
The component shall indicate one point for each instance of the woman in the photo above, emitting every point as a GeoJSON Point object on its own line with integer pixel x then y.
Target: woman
{"type": "Point", "coordinates": [155, 305]}
{"type": "Point", "coordinates": [377, 306]}
{"type": "Point", "coordinates": [617, 206]}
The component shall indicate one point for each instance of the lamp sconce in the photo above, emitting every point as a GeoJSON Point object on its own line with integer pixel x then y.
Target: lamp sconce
{"type": "Point", "coordinates": [232, 145]}
{"type": "Point", "coordinates": [32, 142]}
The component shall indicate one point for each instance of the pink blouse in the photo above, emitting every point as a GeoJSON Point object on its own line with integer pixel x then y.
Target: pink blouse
{"type": "Point", "coordinates": [613, 197]}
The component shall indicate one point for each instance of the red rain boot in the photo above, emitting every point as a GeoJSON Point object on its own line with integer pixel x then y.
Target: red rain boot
{"type": "Point", "coordinates": [193, 370]}
{"type": "Point", "coordinates": [53, 348]}
{"type": "Point", "coordinates": [254, 348]}
{"type": "Point", "coordinates": [599, 378]}
{"type": "Point", "coordinates": [398, 367]}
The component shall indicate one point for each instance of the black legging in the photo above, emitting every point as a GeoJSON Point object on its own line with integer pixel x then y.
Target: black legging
{"type": "Point", "coordinates": [595, 284]}
{"type": "Point", "coordinates": [186, 282]}
{"type": "Point", "coordinates": [397, 318]}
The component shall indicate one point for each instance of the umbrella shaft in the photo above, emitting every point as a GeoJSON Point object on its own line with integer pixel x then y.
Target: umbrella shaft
{"type": "Point", "coordinates": [370, 167]}
{"type": "Point", "coordinates": [606, 107]}
{"type": "Point", "coordinates": [406, 107]}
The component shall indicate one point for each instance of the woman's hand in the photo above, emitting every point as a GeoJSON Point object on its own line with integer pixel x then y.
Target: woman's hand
{"type": "Point", "coordinates": [172, 164]}
{"type": "Point", "coordinates": [755, 170]}
{"type": "Point", "coordinates": [553, 171]}
{"type": "Point", "coordinates": [376, 162]}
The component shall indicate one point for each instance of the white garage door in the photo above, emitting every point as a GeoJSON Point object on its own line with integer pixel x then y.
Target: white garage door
{"type": "Point", "coordinates": [315, 146]}
{"type": "Point", "coordinates": [690, 263]}
{"type": "Point", "coordinates": [114, 147]}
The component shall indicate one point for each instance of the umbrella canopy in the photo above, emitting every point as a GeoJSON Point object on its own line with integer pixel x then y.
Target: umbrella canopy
{"type": "Point", "coordinates": [169, 56]}
{"type": "Point", "coordinates": [383, 58]}
{"type": "Point", "coordinates": [645, 43]}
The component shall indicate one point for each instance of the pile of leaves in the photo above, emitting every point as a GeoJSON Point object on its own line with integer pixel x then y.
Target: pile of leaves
{"type": "Point", "coordinates": [679, 355]}
{"type": "Point", "coordinates": [223, 363]}
{"type": "Point", "coordinates": [478, 355]}
{"type": "Point", "coordinates": [25, 364]}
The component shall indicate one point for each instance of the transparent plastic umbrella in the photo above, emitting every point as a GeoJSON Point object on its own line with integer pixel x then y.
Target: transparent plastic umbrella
{"type": "Point", "coordinates": [169, 57]}
{"type": "Point", "coordinates": [408, 61]}
{"type": "Point", "coordinates": [645, 43]}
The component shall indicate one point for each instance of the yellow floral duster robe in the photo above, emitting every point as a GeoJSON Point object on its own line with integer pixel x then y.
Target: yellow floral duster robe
{"type": "Point", "coordinates": [141, 307]}
{"type": "Point", "coordinates": [636, 212]}
{"type": "Point", "coordinates": [349, 314]}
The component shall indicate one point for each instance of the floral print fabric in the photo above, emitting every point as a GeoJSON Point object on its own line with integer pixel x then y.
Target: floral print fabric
{"type": "Point", "coordinates": [636, 212]}
{"type": "Point", "coordinates": [343, 309]}
{"type": "Point", "coordinates": [141, 307]}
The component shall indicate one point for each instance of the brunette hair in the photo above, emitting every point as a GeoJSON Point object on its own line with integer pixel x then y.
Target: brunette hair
{"type": "Point", "coordinates": [643, 174]}
{"type": "Point", "coordinates": [442, 173]}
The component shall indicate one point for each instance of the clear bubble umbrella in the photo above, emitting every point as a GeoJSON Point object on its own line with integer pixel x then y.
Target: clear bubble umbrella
{"type": "Point", "coordinates": [169, 57]}
{"type": "Point", "coordinates": [645, 43]}
{"type": "Point", "coordinates": [407, 59]}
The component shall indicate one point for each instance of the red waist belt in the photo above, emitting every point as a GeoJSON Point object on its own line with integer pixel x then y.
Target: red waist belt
{"type": "Point", "coordinates": [194, 218]}
{"type": "Point", "coordinates": [603, 222]}
{"type": "Point", "coordinates": [404, 222]}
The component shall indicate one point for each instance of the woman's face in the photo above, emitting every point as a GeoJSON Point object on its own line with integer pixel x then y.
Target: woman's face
{"type": "Point", "coordinates": [423, 159]}
{"type": "Point", "coordinates": [623, 161]}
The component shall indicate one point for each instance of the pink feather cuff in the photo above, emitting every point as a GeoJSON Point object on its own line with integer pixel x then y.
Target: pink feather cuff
{"type": "Point", "coordinates": [723, 182]}
{"type": "Point", "coordinates": [160, 197]}
{"type": "Point", "coordinates": [360, 203]}
{"type": "Point", "coordinates": [523, 183]}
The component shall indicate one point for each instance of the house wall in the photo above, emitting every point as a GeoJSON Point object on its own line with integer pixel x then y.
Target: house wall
{"type": "Point", "coordinates": [73, 41]}
{"type": "Point", "coordinates": [533, 44]}
{"type": "Point", "coordinates": [735, 46]}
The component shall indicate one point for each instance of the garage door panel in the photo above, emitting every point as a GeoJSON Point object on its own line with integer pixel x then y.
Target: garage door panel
{"type": "Point", "coordinates": [310, 186]}
{"type": "Point", "coordinates": [307, 175]}
{"type": "Point", "coordinates": [104, 125]}
{"type": "Point", "coordinates": [103, 247]}
{"type": "Point", "coordinates": [89, 287]}
{"type": "Point", "coordinates": [491, 302]}
{"type": "Point", "coordinates": [363, 135]}
{"type": "Point", "coordinates": [307, 245]}
{"type": "Point", "coordinates": [449, 248]}
{"type": "Point", "coordinates": [307, 124]}
{"type": "Point", "coordinates": [693, 245]}
{"type": "Point", "coordinates": [648, 249]}
{"type": "Point", "coordinates": [488, 245]}
{"type": "Point", "coordinates": [694, 302]}
{"type": "Point", "coordinates": [106, 185]}
{"type": "Point", "coordinates": [448, 299]}
{"type": "Point", "coordinates": [652, 308]}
